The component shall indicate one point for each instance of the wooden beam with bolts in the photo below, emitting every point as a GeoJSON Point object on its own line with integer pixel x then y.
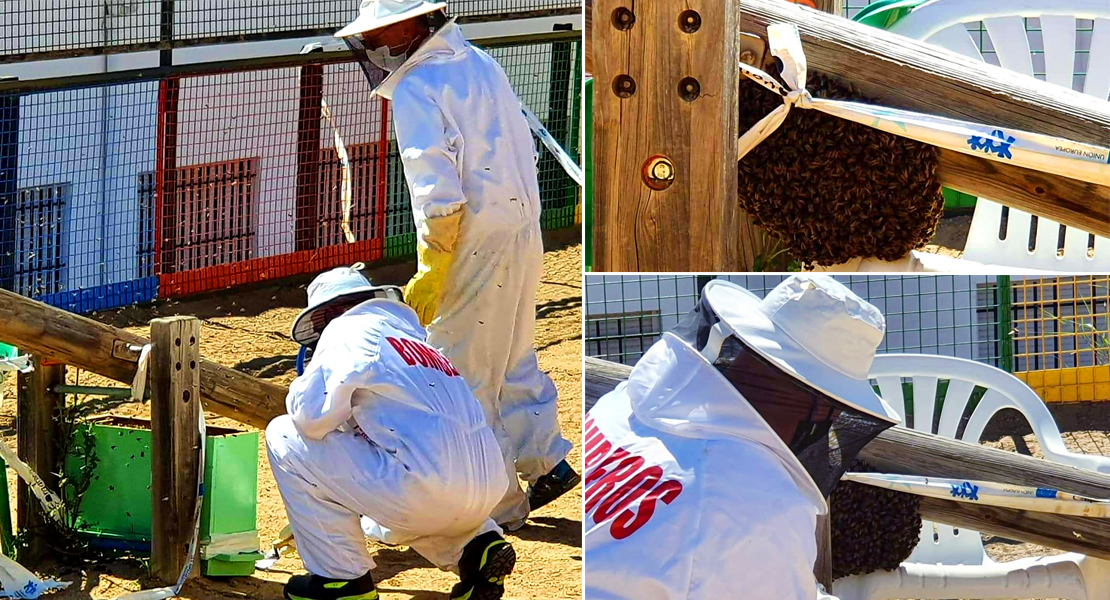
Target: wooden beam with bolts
{"type": "Point", "coordinates": [893, 70]}
{"type": "Point", "coordinates": [901, 450]}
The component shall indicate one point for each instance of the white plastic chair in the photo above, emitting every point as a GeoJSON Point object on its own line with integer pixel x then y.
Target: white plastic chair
{"type": "Point", "coordinates": [942, 22]}
{"type": "Point", "coordinates": [949, 562]}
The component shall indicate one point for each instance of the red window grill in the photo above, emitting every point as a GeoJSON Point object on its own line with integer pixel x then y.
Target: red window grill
{"type": "Point", "coordinates": [214, 214]}
{"type": "Point", "coordinates": [364, 189]}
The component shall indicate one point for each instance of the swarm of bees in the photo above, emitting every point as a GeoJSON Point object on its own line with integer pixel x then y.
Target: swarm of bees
{"type": "Point", "coordinates": [872, 529]}
{"type": "Point", "coordinates": [833, 190]}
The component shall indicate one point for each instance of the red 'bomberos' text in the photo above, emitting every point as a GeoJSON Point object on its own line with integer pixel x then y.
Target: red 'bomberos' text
{"type": "Point", "coordinates": [415, 353]}
{"type": "Point", "coordinates": [620, 488]}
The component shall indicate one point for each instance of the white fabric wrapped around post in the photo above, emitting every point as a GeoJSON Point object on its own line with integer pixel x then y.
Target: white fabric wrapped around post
{"type": "Point", "coordinates": [1047, 154]}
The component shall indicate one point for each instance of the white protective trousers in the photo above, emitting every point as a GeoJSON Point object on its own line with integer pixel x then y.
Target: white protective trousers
{"type": "Point", "coordinates": [466, 146]}
{"type": "Point", "coordinates": [383, 427]}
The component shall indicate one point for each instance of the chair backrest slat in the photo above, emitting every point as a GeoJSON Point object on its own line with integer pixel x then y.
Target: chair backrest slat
{"type": "Point", "coordinates": [957, 39]}
{"type": "Point", "coordinates": [1058, 33]}
{"type": "Point", "coordinates": [1097, 81]}
{"type": "Point", "coordinates": [1011, 43]}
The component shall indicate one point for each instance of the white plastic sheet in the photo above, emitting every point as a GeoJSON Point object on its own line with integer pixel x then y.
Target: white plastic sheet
{"type": "Point", "coordinates": [21, 583]}
{"type": "Point", "coordinates": [18, 363]}
{"type": "Point", "coordinates": [1043, 153]}
{"type": "Point", "coordinates": [989, 493]}
{"type": "Point", "coordinates": [541, 132]}
{"type": "Point", "coordinates": [138, 384]}
{"type": "Point", "coordinates": [345, 174]}
{"type": "Point", "coordinates": [50, 500]}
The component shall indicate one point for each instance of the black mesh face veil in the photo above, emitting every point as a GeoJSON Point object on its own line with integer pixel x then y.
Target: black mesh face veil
{"type": "Point", "coordinates": [374, 74]}
{"type": "Point", "coordinates": [824, 433]}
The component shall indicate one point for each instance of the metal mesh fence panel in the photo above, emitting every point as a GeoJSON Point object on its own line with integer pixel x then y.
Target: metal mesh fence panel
{"type": "Point", "coordinates": [33, 29]}
{"type": "Point", "coordinates": [116, 194]}
{"type": "Point", "coordinates": [1061, 336]}
{"type": "Point", "coordinates": [76, 193]}
{"type": "Point", "coordinates": [942, 314]}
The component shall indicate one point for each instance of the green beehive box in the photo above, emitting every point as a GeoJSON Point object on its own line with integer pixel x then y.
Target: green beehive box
{"type": "Point", "coordinates": [116, 510]}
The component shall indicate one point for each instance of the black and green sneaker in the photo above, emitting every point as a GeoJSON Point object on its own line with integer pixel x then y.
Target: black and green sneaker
{"type": "Point", "coordinates": [486, 561]}
{"type": "Point", "coordinates": [314, 587]}
{"type": "Point", "coordinates": [562, 479]}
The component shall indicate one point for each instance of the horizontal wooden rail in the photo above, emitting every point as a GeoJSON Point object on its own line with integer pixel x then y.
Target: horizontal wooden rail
{"type": "Point", "coordinates": [53, 333]}
{"type": "Point", "coordinates": [900, 450]}
{"type": "Point", "coordinates": [902, 73]}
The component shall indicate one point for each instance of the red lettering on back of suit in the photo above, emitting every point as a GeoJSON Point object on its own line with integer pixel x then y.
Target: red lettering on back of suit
{"type": "Point", "coordinates": [414, 353]}
{"type": "Point", "coordinates": [620, 488]}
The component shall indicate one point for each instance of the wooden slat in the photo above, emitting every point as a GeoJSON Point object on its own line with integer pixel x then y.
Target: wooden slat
{"type": "Point", "coordinates": [38, 328]}
{"type": "Point", "coordinates": [911, 75]}
{"type": "Point", "coordinates": [691, 224]}
{"type": "Point", "coordinates": [37, 438]}
{"type": "Point", "coordinates": [175, 442]}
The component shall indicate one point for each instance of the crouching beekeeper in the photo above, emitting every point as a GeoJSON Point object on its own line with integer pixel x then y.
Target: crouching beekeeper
{"type": "Point", "coordinates": [383, 426]}
{"type": "Point", "coordinates": [470, 163]}
{"type": "Point", "coordinates": [707, 469]}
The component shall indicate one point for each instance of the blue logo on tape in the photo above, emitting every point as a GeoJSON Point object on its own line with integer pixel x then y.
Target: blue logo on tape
{"type": "Point", "coordinates": [997, 142]}
{"type": "Point", "coordinates": [965, 490]}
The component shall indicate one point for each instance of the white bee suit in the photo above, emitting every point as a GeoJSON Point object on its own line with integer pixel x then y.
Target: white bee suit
{"type": "Point", "coordinates": [465, 145]}
{"type": "Point", "coordinates": [690, 495]}
{"type": "Point", "coordinates": [382, 425]}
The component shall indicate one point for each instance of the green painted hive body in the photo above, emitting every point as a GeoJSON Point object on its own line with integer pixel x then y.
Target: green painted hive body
{"type": "Point", "coordinates": [116, 510]}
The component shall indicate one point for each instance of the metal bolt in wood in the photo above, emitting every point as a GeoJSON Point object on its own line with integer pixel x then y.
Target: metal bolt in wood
{"type": "Point", "coordinates": [624, 86]}
{"type": "Point", "coordinates": [658, 172]}
{"type": "Point", "coordinates": [689, 21]}
{"type": "Point", "coordinates": [623, 19]}
{"type": "Point", "coordinates": [689, 89]}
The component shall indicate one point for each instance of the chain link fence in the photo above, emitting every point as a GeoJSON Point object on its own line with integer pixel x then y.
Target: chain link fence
{"type": "Point", "coordinates": [40, 29]}
{"type": "Point", "coordinates": [119, 193]}
{"type": "Point", "coordinates": [944, 314]}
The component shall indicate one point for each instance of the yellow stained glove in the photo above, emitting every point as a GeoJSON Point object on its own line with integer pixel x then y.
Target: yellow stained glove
{"type": "Point", "coordinates": [435, 249]}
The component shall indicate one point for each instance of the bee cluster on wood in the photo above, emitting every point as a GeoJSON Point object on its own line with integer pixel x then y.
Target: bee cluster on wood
{"type": "Point", "coordinates": [872, 529]}
{"type": "Point", "coordinates": [834, 190]}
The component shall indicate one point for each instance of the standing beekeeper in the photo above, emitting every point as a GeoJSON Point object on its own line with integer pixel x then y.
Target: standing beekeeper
{"type": "Point", "coordinates": [470, 163]}
{"type": "Point", "coordinates": [382, 426]}
{"type": "Point", "coordinates": [707, 469]}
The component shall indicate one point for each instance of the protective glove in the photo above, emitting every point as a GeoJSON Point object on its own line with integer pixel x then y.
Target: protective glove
{"type": "Point", "coordinates": [435, 249]}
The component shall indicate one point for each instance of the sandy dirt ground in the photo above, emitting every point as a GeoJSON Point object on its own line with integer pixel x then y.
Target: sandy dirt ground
{"type": "Point", "coordinates": [951, 236]}
{"type": "Point", "coordinates": [248, 330]}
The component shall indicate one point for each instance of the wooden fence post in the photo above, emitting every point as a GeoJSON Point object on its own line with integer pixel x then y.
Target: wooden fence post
{"type": "Point", "coordinates": [37, 445]}
{"type": "Point", "coordinates": [175, 414]}
{"type": "Point", "coordinates": [666, 125]}
{"type": "Point", "coordinates": [822, 568]}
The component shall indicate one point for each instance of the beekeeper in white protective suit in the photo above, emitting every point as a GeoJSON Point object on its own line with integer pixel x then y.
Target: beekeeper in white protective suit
{"type": "Point", "coordinates": [707, 469]}
{"type": "Point", "coordinates": [381, 425]}
{"type": "Point", "coordinates": [470, 162]}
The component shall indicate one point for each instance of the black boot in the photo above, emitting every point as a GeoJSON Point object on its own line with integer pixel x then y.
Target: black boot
{"type": "Point", "coordinates": [314, 587]}
{"type": "Point", "coordinates": [486, 561]}
{"type": "Point", "coordinates": [559, 481]}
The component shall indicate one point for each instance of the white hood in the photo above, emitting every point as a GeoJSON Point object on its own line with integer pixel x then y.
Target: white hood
{"type": "Point", "coordinates": [674, 389]}
{"type": "Point", "coordinates": [446, 43]}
